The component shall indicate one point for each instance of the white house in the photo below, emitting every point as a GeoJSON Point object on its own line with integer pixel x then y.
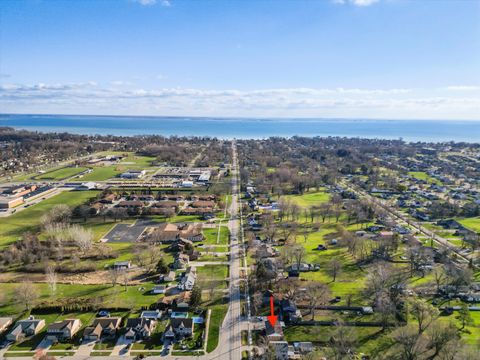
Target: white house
{"type": "Point", "coordinates": [133, 174]}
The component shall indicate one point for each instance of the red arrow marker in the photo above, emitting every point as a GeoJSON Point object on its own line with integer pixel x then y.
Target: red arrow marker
{"type": "Point", "coordinates": [272, 318]}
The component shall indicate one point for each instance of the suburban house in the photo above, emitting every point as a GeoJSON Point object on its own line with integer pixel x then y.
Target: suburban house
{"type": "Point", "coordinates": [130, 204]}
{"type": "Point", "coordinates": [5, 322]}
{"type": "Point", "coordinates": [179, 328]}
{"type": "Point", "coordinates": [303, 347]}
{"type": "Point", "coordinates": [168, 233]}
{"type": "Point", "coordinates": [151, 314]}
{"type": "Point", "coordinates": [274, 333]}
{"type": "Point", "coordinates": [24, 328]}
{"type": "Point", "coordinates": [108, 199]}
{"type": "Point", "coordinates": [63, 330]}
{"type": "Point", "coordinates": [122, 265]}
{"type": "Point", "coordinates": [203, 204]}
{"type": "Point", "coordinates": [289, 311]}
{"type": "Point", "coordinates": [102, 327]}
{"type": "Point", "coordinates": [179, 302]}
{"type": "Point", "coordinates": [280, 349]}
{"type": "Point", "coordinates": [197, 211]}
{"type": "Point", "coordinates": [179, 245]}
{"type": "Point", "coordinates": [188, 280]}
{"type": "Point", "coordinates": [181, 261]}
{"type": "Point", "coordinates": [139, 328]}
{"type": "Point", "coordinates": [166, 204]}
{"type": "Point", "coordinates": [168, 277]}
{"type": "Point", "coordinates": [182, 301]}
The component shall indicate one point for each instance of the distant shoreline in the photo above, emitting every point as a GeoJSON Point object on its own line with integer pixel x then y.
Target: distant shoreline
{"type": "Point", "coordinates": [434, 131]}
{"type": "Point", "coordinates": [232, 118]}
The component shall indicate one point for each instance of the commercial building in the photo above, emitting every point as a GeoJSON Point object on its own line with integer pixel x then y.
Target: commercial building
{"type": "Point", "coordinates": [10, 202]}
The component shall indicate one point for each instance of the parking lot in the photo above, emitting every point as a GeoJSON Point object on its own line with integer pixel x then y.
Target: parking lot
{"type": "Point", "coordinates": [124, 233]}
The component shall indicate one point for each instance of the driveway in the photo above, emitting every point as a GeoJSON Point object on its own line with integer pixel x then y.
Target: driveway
{"type": "Point", "coordinates": [119, 348]}
{"type": "Point", "coordinates": [85, 349]}
{"type": "Point", "coordinates": [44, 344]}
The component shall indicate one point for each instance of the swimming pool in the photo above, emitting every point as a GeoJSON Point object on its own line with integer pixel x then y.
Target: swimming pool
{"type": "Point", "coordinates": [181, 315]}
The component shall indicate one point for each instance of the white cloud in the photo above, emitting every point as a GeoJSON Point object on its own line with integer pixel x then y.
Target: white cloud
{"type": "Point", "coordinates": [125, 99]}
{"type": "Point", "coordinates": [463, 88]}
{"type": "Point", "coordinates": [146, 2]}
{"type": "Point", "coordinates": [356, 2]}
{"type": "Point", "coordinates": [165, 3]}
{"type": "Point", "coordinates": [363, 2]}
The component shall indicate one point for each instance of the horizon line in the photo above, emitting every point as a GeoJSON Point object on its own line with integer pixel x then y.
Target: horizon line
{"type": "Point", "coordinates": [239, 117]}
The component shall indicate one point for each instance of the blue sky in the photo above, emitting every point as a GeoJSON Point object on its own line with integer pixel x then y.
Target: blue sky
{"type": "Point", "coordinates": [325, 58]}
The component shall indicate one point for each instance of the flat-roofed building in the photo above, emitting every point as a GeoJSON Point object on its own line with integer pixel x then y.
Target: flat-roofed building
{"type": "Point", "coordinates": [10, 202]}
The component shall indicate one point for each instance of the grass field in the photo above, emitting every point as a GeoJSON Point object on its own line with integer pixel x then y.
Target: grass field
{"type": "Point", "coordinates": [133, 161]}
{"type": "Point", "coordinates": [102, 173]}
{"type": "Point", "coordinates": [310, 199]}
{"type": "Point", "coordinates": [215, 274]}
{"type": "Point", "coordinates": [61, 174]}
{"type": "Point", "coordinates": [218, 314]}
{"type": "Point", "coordinates": [421, 175]}
{"type": "Point", "coordinates": [471, 223]}
{"type": "Point", "coordinates": [211, 236]}
{"type": "Point", "coordinates": [12, 227]}
{"type": "Point", "coordinates": [114, 297]}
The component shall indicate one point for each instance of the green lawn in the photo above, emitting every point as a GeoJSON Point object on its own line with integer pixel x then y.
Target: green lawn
{"type": "Point", "coordinates": [133, 161]}
{"type": "Point", "coordinates": [19, 354]}
{"type": "Point", "coordinates": [134, 297]}
{"type": "Point", "coordinates": [212, 273]}
{"type": "Point", "coordinates": [471, 223]}
{"type": "Point", "coordinates": [321, 334]}
{"type": "Point", "coordinates": [310, 199]}
{"type": "Point", "coordinates": [421, 175]}
{"type": "Point", "coordinates": [216, 318]}
{"type": "Point", "coordinates": [101, 173]}
{"type": "Point", "coordinates": [211, 236]}
{"type": "Point", "coordinates": [60, 174]}
{"type": "Point", "coordinates": [12, 227]}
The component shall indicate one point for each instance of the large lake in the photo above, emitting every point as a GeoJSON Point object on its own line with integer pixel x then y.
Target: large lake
{"type": "Point", "coordinates": [409, 130]}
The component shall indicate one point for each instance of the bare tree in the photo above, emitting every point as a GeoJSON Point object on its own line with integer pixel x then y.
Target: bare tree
{"type": "Point", "coordinates": [58, 214]}
{"type": "Point", "coordinates": [385, 307]}
{"type": "Point", "coordinates": [342, 342]}
{"type": "Point", "coordinates": [334, 268]}
{"type": "Point", "coordinates": [305, 233]}
{"type": "Point", "coordinates": [439, 275]}
{"type": "Point", "coordinates": [317, 295]}
{"type": "Point", "coordinates": [298, 252]}
{"type": "Point", "coordinates": [51, 277]}
{"type": "Point", "coordinates": [424, 313]}
{"type": "Point", "coordinates": [442, 337]}
{"type": "Point", "coordinates": [82, 238]}
{"type": "Point", "coordinates": [113, 275]}
{"type": "Point", "coordinates": [125, 276]}
{"type": "Point", "coordinates": [410, 344]}
{"type": "Point", "coordinates": [26, 294]}
{"type": "Point", "coordinates": [290, 288]}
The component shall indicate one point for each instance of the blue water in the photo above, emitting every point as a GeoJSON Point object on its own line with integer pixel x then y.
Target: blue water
{"type": "Point", "coordinates": [179, 315]}
{"type": "Point", "coordinates": [227, 128]}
